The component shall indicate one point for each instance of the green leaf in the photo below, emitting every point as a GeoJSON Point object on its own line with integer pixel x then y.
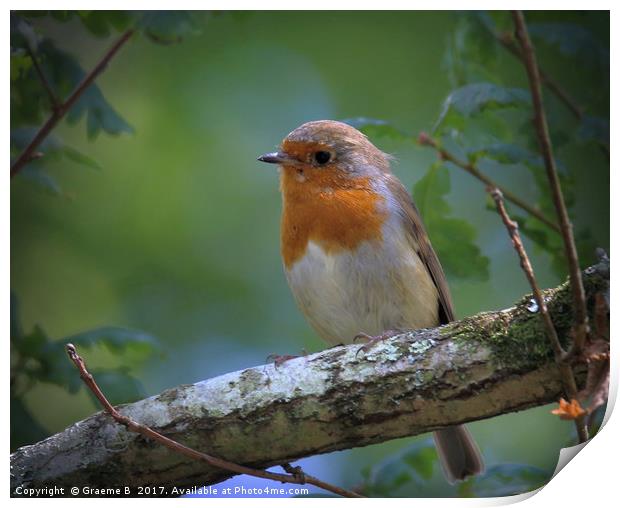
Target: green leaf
{"type": "Point", "coordinates": [392, 475]}
{"type": "Point", "coordinates": [100, 114]}
{"type": "Point", "coordinates": [65, 73]}
{"type": "Point", "coordinates": [373, 127]}
{"type": "Point", "coordinates": [118, 386]}
{"type": "Point", "coordinates": [167, 27]}
{"type": "Point", "coordinates": [61, 69]}
{"type": "Point", "coordinates": [54, 367]}
{"type": "Point", "coordinates": [571, 40]}
{"type": "Point", "coordinates": [29, 351]}
{"type": "Point", "coordinates": [477, 98]}
{"type": "Point", "coordinates": [52, 148]}
{"type": "Point", "coordinates": [79, 158]}
{"type": "Point", "coordinates": [505, 480]}
{"type": "Point", "coordinates": [586, 246]}
{"type": "Point", "coordinates": [120, 20]}
{"type": "Point", "coordinates": [22, 136]}
{"type": "Point", "coordinates": [507, 153]}
{"type": "Point", "coordinates": [117, 340]}
{"type": "Point", "coordinates": [103, 23]}
{"type": "Point", "coordinates": [421, 457]}
{"type": "Point", "coordinates": [504, 153]}
{"type": "Point", "coordinates": [37, 175]}
{"type": "Point", "coordinates": [409, 469]}
{"type": "Point", "coordinates": [20, 63]}
{"type": "Point", "coordinates": [45, 360]}
{"type": "Point", "coordinates": [95, 24]}
{"type": "Point", "coordinates": [29, 102]}
{"type": "Point", "coordinates": [471, 52]}
{"type": "Point", "coordinates": [457, 251]}
{"type": "Point", "coordinates": [545, 240]}
{"type": "Point", "coordinates": [430, 191]}
{"type": "Point", "coordinates": [535, 231]}
{"type": "Point", "coordinates": [33, 344]}
{"type": "Point", "coordinates": [452, 238]}
{"type": "Point", "coordinates": [551, 242]}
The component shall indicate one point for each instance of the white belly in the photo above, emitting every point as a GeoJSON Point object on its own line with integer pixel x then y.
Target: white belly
{"type": "Point", "coordinates": [370, 290]}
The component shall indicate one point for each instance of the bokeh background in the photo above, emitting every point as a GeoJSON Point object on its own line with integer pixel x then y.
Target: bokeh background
{"type": "Point", "coordinates": [178, 236]}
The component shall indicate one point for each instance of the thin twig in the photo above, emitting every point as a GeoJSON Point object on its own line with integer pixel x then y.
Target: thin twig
{"type": "Point", "coordinates": [54, 102]}
{"type": "Point", "coordinates": [513, 231]}
{"type": "Point", "coordinates": [566, 371]}
{"type": "Point", "coordinates": [59, 112]}
{"type": "Point", "coordinates": [507, 40]}
{"type": "Point", "coordinates": [296, 476]}
{"type": "Point", "coordinates": [425, 139]}
{"type": "Point", "coordinates": [580, 328]}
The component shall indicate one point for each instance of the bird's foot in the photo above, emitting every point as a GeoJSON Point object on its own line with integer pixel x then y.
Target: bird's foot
{"type": "Point", "coordinates": [371, 340]}
{"type": "Point", "coordinates": [280, 359]}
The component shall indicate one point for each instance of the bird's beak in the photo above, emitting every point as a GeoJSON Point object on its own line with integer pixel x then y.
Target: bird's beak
{"type": "Point", "coordinates": [276, 158]}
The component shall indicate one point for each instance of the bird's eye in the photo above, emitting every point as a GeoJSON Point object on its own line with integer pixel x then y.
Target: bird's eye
{"type": "Point", "coordinates": [322, 157]}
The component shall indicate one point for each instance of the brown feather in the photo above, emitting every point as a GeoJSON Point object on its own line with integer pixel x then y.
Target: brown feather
{"type": "Point", "coordinates": [415, 227]}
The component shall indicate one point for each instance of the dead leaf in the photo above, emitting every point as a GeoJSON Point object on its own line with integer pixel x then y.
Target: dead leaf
{"type": "Point", "coordinates": [569, 410]}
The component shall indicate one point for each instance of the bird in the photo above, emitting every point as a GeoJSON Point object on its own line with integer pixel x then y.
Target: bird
{"type": "Point", "coordinates": [356, 255]}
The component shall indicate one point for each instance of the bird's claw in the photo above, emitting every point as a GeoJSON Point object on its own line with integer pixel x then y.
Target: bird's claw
{"type": "Point", "coordinates": [371, 340]}
{"type": "Point", "coordinates": [280, 359]}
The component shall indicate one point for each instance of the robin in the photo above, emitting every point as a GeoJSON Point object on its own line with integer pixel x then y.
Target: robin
{"type": "Point", "coordinates": [356, 255]}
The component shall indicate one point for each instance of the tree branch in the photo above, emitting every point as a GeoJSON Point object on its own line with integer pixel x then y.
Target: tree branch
{"type": "Point", "coordinates": [426, 140]}
{"type": "Point", "coordinates": [61, 109]}
{"type": "Point", "coordinates": [482, 366]}
{"type": "Point", "coordinates": [542, 130]}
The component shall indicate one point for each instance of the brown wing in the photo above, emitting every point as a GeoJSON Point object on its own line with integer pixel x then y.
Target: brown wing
{"type": "Point", "coordinates": [413, 222]}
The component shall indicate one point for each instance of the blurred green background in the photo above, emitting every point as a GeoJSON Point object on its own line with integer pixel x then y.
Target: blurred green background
{"type": "Point", "coordinates": [178, 234]}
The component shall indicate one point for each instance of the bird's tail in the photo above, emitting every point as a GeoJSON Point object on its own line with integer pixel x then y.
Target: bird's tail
{"type": "Point", "coordinates": [458, 453]}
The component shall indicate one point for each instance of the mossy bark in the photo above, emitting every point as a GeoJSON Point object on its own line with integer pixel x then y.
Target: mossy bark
{"type": "Point", "coordinates": [482, 366]}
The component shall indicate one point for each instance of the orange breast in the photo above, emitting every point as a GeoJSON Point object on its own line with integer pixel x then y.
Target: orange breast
{"type": "Point", "coordinates": [335, 212]}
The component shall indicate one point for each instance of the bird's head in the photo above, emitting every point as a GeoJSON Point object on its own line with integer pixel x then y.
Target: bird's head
{"type": "Point", "coordinates": [328, 153]}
